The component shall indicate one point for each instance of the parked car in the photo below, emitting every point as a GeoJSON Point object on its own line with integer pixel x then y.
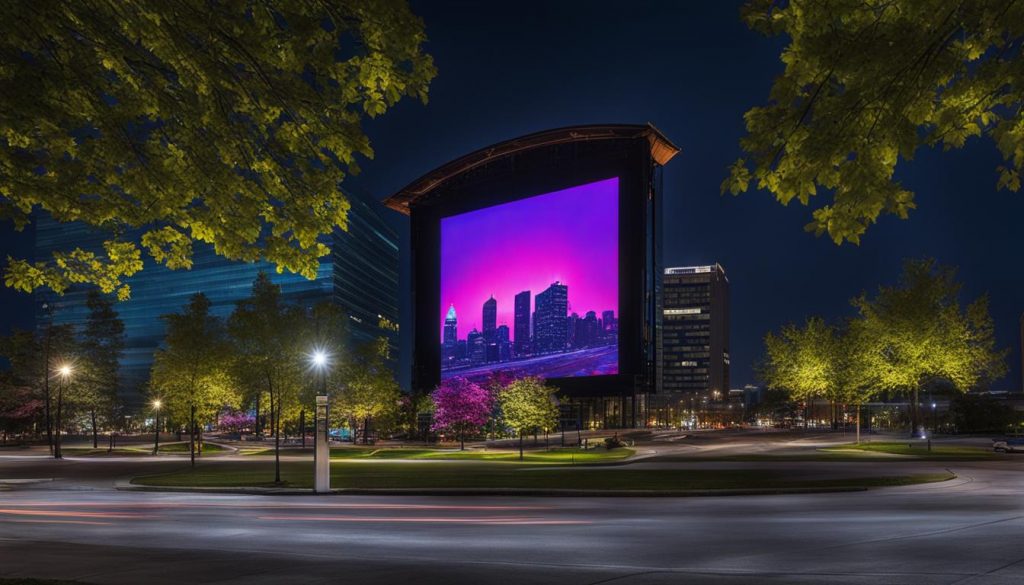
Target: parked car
{"type": "Point", "coordinates": [1008, 445]}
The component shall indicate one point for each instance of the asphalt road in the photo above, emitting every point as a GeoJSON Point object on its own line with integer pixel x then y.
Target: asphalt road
{"type": "Point", "coordinates": [967, 530]}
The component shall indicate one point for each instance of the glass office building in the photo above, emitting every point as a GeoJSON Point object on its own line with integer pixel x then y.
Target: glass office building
{"type": "Point", "coordinates": [695, 331]}
{"type": "Point", "coordinates": [360, 276]}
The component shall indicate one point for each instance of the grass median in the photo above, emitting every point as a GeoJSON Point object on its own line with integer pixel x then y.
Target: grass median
{"type": "Point", "coordinates": [371, 474]}
{"type": "Point", "coordinates": [142, 450]}
{"type": "Point", "coordinates": [916, 449]}
{"type": "Point", "coordinates": [565, 456]}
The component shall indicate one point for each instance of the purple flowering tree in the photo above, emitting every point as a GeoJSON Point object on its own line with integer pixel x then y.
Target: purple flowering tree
{"type": "Point", "coordinates": [461, 407]}
{"type": "Point", "coordinates": [236, 421]}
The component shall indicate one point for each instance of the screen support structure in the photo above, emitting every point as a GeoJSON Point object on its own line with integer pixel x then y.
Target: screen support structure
{"type": "Point", "coordinates": [322, 452]}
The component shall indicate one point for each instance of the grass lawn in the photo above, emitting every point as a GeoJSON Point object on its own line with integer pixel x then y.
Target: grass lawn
{"type": "Point", "coordinates": [208, 448]}
{"type": "Point", "coordinates": [133, 451]}
{"type": "Point", "coordinates": [917, 449]}
{"type": "Point", "coordinates": [558, 455]}
{"type": "Point", "coordinates": [140, 450]}
{"type": "Point", "coordinates": [487, 474]}
{"type": "Point", "coordinates": [566, 456]}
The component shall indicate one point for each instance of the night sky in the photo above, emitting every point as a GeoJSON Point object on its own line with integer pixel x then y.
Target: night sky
{"type": "Point", "coordinates": [692, 69]}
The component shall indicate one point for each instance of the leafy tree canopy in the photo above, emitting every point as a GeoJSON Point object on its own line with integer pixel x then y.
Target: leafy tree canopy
{"type": "Point", "coordinates": [867, 83]}
{"type": "Point", "coordinates": [167, 123]}
{"type": "Point", "coordinates": [818, 360]}
{"type": "Point", "coordinates": [528, 404]}
{"type": "Point", "coordinates": [461, 406]}
{"type": "Point", "coordinates": [190, 372]}
{"type": "Point", "coordinates": [917, 332]}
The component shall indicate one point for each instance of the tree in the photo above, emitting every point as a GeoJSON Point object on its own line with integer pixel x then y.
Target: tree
{"type": "Point", "coordinates": [799, 360]}
{"type": "Point", "coordinates": [190, 370]}
{"type": "Point", "coordinates": [369, 391]}
{"type": "Point", "coordinates": [868, 83]}
{"type": "Point", "coordinates": [527, 404]}
{"type": "Point", "coordinates": [462, 407]}
{"type": "Point", "coordinates": [163, 124]}
{"type": "Point", "coordinates": [269, 357]}
{"type": "Point", "coordinates": [916, 333]}
{"type": "Point", "coordinates": [19, 407]}
{"type": "Point", "coordinates": [35, 358]}
{"type": "Point", "coordinates": [101, 347]}
{"type": "Point", "coordinates": [818, 360]}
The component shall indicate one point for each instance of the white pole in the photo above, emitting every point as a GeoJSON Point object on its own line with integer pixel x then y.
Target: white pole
{"type": "Point", "coordinates": [322, 452]}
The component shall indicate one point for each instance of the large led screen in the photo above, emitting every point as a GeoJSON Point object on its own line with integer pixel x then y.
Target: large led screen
{"type": "Point", "coordinates": [532, 286]}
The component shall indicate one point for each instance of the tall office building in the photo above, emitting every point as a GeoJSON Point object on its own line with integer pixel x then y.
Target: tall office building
{"type": "Point", "coordinates": [490, 318]}
{"type": "Point", "coordinates": [360, 275]}
{"type": "Point", "coordinates": [695, 330]}
{"type": "Point", "coordinates": [521, 324]}
{"type": "Point", "coordinates": [550, 327]}
{"type": "Point", "coordinates": [451, 335]}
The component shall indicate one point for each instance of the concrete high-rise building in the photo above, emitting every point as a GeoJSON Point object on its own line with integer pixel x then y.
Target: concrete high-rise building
{"type": "Point", "coordinates": [521, 324]}
{"type": "Point", "coordinates": [550, 327]}
{"type": "Point", "coordinates": [360, 276]}
{"type": "Point", "coordinates": [1022, 352]}
{"type": "Point", "coordinates": [695, 329]}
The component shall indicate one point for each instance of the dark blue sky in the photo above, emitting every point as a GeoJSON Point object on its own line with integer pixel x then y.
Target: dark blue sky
{"type": "Point", "coordinates": [692, 69]}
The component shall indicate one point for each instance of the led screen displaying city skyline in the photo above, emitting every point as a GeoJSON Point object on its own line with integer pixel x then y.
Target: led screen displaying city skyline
{"type": "Point", "coordinates": [533, 285]}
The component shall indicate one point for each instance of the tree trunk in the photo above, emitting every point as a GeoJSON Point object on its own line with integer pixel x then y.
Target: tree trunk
{"type": "Point", "coordinates": [273, 429]}
{"type": "Point", "coordinates": [277, 443]}
{"type": "Point", "coordinates": [95, 435]}
{"type": "Point", "coordinates": [915, 414]}
{"type": "Point", "coordinates": [302, 426]}
{"type": "Point", "coordinates": [256, 421]}
{"type": "Point", "coordinates": [366, 430]}
{"type": "Point", "coordinates": [192, 435]}
{"type": "Point", "coordinates": [46, 391]}
{"type": "Point", "coordinates": [520, 445]}
{"type": "Point", "coordinates": [462, 439]}
{"type": "Point", "coordinates": [60, 405]}
{"type": "Point", "coordinates": [858, 424]}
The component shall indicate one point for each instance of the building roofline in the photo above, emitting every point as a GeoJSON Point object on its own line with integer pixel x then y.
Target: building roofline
{"type": "Point", "coordinates": [662, 151]}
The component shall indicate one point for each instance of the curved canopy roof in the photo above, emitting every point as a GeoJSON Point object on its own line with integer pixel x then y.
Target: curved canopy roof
{"type": "Point", "coordinates": [662, 150]}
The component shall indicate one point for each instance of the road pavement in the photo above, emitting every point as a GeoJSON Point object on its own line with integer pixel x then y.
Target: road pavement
{"type": "Point", "coordinates": [964, 531]}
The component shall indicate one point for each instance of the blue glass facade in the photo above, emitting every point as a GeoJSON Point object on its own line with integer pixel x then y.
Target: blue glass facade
{"type": "Point", "coordinates": [360, 276]}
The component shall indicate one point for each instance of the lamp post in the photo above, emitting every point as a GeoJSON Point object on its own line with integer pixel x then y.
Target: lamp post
{"type": "Point", "coordinates": [319, 360]}
{"type": "Point", "coordinates": [156, 426]}
{"type": "Point", "coordinates": [321, 425]}
{"type": "Point", "coordinates": [63, 372]}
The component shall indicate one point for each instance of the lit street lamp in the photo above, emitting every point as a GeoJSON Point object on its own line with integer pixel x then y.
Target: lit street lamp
{"type": "Point", "coordinates": [64, 372]}
{"type": "Point", "coordinates": [156, 426]}
{"type": "Point", "coordinates": [319, 360]}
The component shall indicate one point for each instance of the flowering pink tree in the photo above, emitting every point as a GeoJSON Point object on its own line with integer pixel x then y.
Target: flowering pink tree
{"type": "Point", "coordinates": [236, 421]}
{"type": "Point", "coordinates": [460, 406]}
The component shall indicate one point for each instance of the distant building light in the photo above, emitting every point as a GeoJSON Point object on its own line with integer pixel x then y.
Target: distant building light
{"type": "Point", "coordinates": [682, 311]}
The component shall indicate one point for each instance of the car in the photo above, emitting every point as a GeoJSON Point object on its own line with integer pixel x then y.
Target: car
{"type": "Point", "coordinates": [1008, 445]}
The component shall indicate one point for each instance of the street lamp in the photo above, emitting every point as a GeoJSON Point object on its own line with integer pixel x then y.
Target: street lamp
{"type": "Point", "coordinates": [64, 372]}
{"type": "Point", "coordinates": [156, 426]}
{"type": "Point", "coordinates": [319, 360]}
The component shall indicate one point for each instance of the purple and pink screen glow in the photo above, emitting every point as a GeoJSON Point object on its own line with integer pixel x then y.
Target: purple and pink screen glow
{"type": "Point", "coordinates": [568, 236]}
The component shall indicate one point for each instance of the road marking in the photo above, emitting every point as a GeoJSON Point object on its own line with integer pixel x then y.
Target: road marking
{"type": "Point", "coordinates": [484, 520]}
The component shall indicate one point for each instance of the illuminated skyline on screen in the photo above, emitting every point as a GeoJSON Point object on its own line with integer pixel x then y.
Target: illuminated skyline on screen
{"type": "Point", "coordinates": [566, 238]}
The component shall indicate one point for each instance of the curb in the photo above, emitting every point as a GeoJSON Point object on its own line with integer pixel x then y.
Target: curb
{"type": "Point", "coordinates": [126, 485]}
